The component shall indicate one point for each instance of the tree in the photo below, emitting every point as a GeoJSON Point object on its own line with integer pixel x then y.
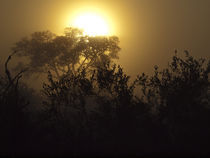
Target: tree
{"type": "Point", "coordinates": [180, 98]}
{"type": "Point", "coordinates": [68, 53]}
{"type": "Point", "coordinates": [13, 119]}
{"type": "Point", "coordinates": [98, 110]}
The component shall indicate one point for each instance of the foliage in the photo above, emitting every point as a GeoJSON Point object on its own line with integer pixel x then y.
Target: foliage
{"type": "Point", "coordinates": [92, 107]}
{"type": "Point", "coordinates": [107, 88]}
{"type": "Point", "coordinates": [13, 119]}
{"type": "Point", "coordinates": [180, 96]}
{"type": "Point", "coordinates": [68, 53]}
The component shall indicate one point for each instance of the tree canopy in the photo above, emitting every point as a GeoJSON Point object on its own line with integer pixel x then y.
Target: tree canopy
{"type": "Point", "coordinates": [90, 104]}
{"type": "Point", "coordinates": [68, 53]}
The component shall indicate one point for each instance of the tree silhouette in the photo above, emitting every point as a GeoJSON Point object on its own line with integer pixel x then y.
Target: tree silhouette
{"type": "Point", "coordinates": [68, 53]}
{"type": "Point", "coordinates": [179, 95]}
{"type": "Point", "coordinates": [102, 106]}
{"type": "Point", "coordinates": [13, 117]}
{"type": "Point", "coordinates": [91, 106]}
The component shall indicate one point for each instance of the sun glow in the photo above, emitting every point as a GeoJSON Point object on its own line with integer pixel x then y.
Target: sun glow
{"type": "Point", "coordinates": [92, 24]}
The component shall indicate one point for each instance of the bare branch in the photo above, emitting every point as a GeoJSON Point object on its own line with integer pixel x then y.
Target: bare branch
{"type": "Point", "coordinates": [7, 70]}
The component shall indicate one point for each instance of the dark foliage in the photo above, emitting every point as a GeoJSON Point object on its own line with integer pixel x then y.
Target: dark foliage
{"type": "Point", "coordinates": [179, 96]}
{"type": "Point", "coordinates": [65, 54]}
{"type": "Point", "coordinates": [99, 113]}
{"type": "Point", "coordinates": [13, 119]}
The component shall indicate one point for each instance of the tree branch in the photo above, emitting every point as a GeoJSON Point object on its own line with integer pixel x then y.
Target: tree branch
{"type": "Point", "coordinates": [7, 70]}
{"type": "Point", "coordinates": [82, 63]}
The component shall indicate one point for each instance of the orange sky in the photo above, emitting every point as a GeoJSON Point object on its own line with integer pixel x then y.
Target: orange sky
{"type": "Point", "coordinates": [149, 30]}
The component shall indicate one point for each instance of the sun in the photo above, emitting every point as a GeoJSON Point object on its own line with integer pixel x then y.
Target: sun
{"type": "Point", "coordinates": [92, 24]}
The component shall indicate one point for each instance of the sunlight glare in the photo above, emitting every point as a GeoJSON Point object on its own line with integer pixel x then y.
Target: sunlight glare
{"type": "Point", "coordinates": [91, 24]}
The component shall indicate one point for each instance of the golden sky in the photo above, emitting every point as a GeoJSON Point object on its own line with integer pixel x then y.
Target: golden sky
{"type": "Point", "coordinates": [149, 30]}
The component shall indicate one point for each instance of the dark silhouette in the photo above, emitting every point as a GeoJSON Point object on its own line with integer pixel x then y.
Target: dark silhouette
{"type": "Point", "coordinates": [179, 96]}
{"type": "Point", "coordinates": [13, 119]}
{"type": "Point", "coordinates": [93, 109]}
{"type": "Point", "coordinates": [66, 53]}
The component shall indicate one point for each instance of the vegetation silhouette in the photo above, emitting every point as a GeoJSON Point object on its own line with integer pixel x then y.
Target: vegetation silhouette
{"type": "Point", "coordinates": [64, 54]}
{"type": "Point", "coordinates": [92, 108]}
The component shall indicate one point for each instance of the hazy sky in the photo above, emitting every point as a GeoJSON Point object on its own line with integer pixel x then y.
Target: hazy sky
{"type": "Point", "coordinates": [149, 30]}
